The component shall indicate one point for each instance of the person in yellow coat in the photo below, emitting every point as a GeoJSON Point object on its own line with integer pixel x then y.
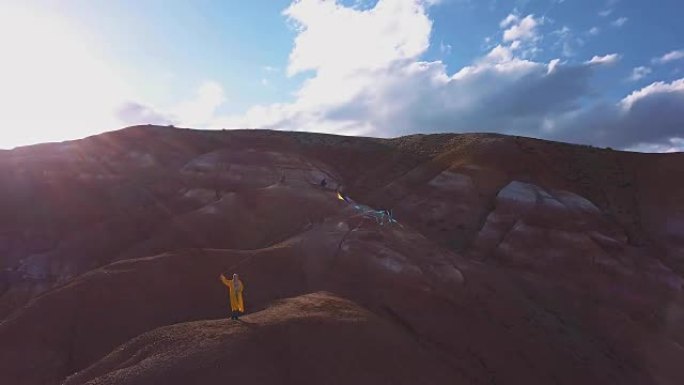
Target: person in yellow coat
{"type": "Point", "coordinates": [235, 289]}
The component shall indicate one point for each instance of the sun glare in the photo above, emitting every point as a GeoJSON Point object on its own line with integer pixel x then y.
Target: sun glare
{"type": "Point", "coordinates": [53, 86]}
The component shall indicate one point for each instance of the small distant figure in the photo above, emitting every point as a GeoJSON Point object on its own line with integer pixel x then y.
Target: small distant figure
{"type": "Point", "coordinates": [324, 183]}
{"type": "Point", "coordinates": [343, 197]}
{"type": "Point", "coordinates": [235, 289]}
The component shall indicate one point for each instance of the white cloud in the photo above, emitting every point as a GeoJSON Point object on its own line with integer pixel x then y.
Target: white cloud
{"type": "Point", "coordinates": [398, 94]}
{"type": "Point", "coordinates": [522, 29]}
{"type": "Point", "coordinates": [604, 60]}
{"type": "Point", "coordinates": [132, 113]}
{"type": "Point", "coordinates": [609, 8]}
{"type": "Point", "coordinates": [197, 111]}
{"type": "Point", "coordinates": [567, 50]}
{"type": "Point", "coordinates": [499, 54]}
{"type": "Point", "coordinates": [619, 22]}
{"type": "Point", "coordinates": [445, 49]}
{"type": "Point", "coordinates": [669, 57]}
{"type": "Point", "coordinates": [639, 73]}
{"type": "Point", "coordinates": [510, 19]}
{"type": "Point", "coordinates": [553, 64]}
{"type": "Point", "coordinates": [652, 116]}
{"type": "Point", "coordinates": [594, 31]}
{"type": "Point", "coordinates": [648, 119]}
{"type": "Point", "coordinates": [565, 41]}
{"type": "Point", "coordinates": [563, 32]}
{"type": "Point", "coordinates": [201, 108]}
{"type": "Point", "coordinates": [657, 88]}
{"type": "Point", "coordinates": [344, 61]}
{"type": "Point", "coordinates": [391, 31]}
{"type": "Point", "coordinates": [674, 144]}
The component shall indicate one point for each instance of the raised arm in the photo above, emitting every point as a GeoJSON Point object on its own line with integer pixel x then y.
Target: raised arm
{"type": "Point", "coordinates": [225, 280]}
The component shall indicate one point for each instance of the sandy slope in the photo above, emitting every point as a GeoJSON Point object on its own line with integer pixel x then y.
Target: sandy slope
{"type": "Point", "coordinates": [289, 343]}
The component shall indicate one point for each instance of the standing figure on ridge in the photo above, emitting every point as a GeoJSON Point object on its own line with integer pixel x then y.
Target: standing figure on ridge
{"type": "Point", "coordinates": [235, 289]}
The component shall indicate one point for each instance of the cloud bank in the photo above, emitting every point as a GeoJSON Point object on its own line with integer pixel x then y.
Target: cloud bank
{"type": "Point", "coordinates": [370, 80]}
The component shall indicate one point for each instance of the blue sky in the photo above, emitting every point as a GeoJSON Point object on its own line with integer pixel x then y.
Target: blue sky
{"type": "Point", "coordinates": [607, 73]}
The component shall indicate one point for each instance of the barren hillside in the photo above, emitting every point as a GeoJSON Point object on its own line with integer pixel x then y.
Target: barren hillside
{"type": "Point", "coordinates": [512, 260]}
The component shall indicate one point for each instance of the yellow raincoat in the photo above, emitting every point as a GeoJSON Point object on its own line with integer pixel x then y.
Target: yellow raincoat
{"type": "Point", "coordinates": [236, 301]}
